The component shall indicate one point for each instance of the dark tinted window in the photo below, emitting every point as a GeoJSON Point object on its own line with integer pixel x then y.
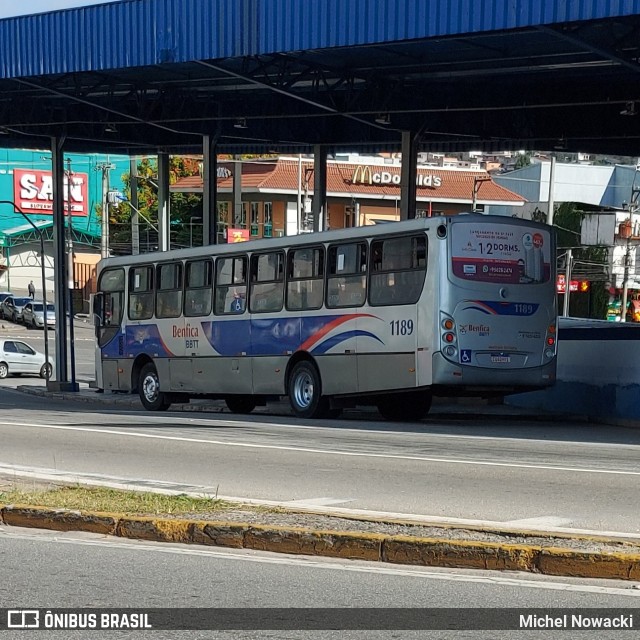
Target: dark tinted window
{"type": "Point", "coordinates": [398, 270]}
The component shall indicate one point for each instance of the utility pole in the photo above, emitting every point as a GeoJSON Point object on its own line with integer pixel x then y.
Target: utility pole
{"type": "Point", "coordinates": [552, 174]}
{"type": "Point", "coordinates": [105, 167]}
{"type": "Point", "coordinates": [633, 206]}
{"type": "Point", "coordinates": [567, 283]}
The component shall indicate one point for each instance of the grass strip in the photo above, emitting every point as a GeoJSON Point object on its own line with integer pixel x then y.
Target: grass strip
{"type": "Point", "coordinates": [114, 500]}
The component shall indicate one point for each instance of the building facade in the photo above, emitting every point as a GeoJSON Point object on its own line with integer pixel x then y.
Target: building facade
{"type": "Point", "coordinates": [26, 185]}
{"type": "Point", "coordinates": [277, 194]}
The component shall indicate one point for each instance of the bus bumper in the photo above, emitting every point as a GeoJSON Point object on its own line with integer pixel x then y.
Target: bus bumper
{"type": "Point", "coordinates": [458, 379]}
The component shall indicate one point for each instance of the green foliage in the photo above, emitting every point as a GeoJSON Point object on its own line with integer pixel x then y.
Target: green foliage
{"type": "Point", "coordinates": [568, 220]}
{"type": "Point", "coordinates": [523, 160]}
{"type": "Point", "coordinates": [185, 208]}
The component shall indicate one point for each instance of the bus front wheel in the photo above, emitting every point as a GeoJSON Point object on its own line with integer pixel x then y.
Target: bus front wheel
{"type": "Point", "coordinates": [240, 403]}
{"type": "Point", "coordinates": [407, 407]}
{"type": "Point", "coordinates": [305, 389]}
{"type": "Point", "coordinates": [149, 390]}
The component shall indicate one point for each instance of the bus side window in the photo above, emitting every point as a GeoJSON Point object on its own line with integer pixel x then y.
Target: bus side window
{"type": "Point", "coordinates": [231, 285]}
{"type": "Point", "coordinates": [198, 281]}
{"type": "Point", "coordinates": [305, 271]}
{"type": "Point", "coordinates": [267, 282]}
{"type": "Point", "coordinates": [141, 292]}
{"type": "Point", "coordinates": [346, 275]}
{"type": "Point", "coordinates": [169, 294]}
{"type": "Point", "coordinates": [399, 270]}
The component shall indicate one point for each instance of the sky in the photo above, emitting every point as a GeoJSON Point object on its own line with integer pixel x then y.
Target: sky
{"type": "Point", "coordinates": [9, 8]}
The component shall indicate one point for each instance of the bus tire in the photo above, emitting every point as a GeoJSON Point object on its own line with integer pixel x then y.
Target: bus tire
{"type": "Point", "coordinates": [149, 390]}
{"type": "Point", "coordinates": [240, 403]}
{"type": "Point", "coordinates": [407, 407]}
{"type": "Point", "coordinates": [305, 392]}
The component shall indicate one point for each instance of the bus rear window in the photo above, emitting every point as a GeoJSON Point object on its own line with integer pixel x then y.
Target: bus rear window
{"type": "Point", "coordinates": [500, 253]}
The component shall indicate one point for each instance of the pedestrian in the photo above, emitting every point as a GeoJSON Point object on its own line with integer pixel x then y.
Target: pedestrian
{"type": "Point", "coordinates": [32, 290]}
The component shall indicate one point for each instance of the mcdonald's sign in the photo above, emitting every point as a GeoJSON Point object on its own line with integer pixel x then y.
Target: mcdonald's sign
{"type": "Point", "coordinates": [362, 175]}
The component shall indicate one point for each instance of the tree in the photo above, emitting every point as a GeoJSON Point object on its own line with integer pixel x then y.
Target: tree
{"type": "Point", "coordinates": [591, 262]}
{"type": "Point", "coordinates": [186, 208]}
{"type": "Point", "coordinates": [523, 160]}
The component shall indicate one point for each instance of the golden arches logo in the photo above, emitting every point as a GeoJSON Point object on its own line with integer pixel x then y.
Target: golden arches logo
{"type": "Point", "coordinates": [362, 175]}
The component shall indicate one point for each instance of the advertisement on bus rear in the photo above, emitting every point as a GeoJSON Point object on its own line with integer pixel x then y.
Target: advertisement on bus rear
{"type": "Point", "coordinates": [501, 254]}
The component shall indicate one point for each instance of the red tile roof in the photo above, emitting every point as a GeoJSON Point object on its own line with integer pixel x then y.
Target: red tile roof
{"type": "Point", "coordinates": [281, 175]}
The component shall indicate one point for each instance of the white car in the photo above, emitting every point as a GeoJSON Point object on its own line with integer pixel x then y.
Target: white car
{"type": "Point", "coordinates": [17, 357]}
{"type": "Point", "coordinates": [33, 315]}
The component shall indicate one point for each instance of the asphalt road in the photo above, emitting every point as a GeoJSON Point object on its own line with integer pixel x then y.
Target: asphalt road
{"type": "Point", "coordinates": [53, 570]}
{"type": "Point", "coordinates": [515, 473]}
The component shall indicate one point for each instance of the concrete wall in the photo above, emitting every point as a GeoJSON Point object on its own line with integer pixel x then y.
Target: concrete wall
{"type": "Point", "coordinates": [598, 372]}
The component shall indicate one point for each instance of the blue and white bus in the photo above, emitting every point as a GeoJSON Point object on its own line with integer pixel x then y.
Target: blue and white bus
{"type": "Point", "coordinates": [387, 315]}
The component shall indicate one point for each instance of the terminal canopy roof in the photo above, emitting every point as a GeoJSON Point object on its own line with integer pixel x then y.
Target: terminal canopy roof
{"type": "Point", "coordinates": [279, 75]}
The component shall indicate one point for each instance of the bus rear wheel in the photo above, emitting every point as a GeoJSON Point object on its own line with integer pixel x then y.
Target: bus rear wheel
{"type": "Point", "coordinates": [149, 390]}
{"type": "Point", "coordinates": [240, 403]}
{"type": "Point", "coordinates": [406, 407]}
{"type": "Point", "coordinates": [305, 392]}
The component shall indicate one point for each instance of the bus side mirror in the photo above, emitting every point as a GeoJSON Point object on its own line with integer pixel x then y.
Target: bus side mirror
{"type": "Point", "coordinates": [97, 309]}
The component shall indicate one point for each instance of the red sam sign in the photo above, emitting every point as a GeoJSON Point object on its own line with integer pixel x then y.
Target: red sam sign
{"type": "Point", "coordinates": [33, 192]}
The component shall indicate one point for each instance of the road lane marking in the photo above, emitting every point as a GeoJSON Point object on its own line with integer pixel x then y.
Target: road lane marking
{"type": "Point", "coordinates": [333, 452]}
{"type": "Point", "coordinates": [540, 521]}
{"type": "Point", "coordinates": [317, 502]}
{"type": "Point", "coordinates": [202, 491]}
{"type": "Point", "coordinates": [351, 566]}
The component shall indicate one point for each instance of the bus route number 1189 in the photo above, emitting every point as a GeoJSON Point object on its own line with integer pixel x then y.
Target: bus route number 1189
{"type": "Point", "coordinates": [401, 327]}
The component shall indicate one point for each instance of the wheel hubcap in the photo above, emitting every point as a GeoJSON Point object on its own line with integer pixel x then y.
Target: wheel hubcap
{"type": "Point", "coordinates": [150, 388]}
{"type": "Point", "coordinates": [303, 390]}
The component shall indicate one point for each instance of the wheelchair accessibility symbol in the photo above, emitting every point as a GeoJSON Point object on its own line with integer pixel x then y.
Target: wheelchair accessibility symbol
{"type": "Point", "coordinates": [465, 355]}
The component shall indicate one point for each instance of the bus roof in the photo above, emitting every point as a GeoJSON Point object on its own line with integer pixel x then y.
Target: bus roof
{"type": "Point", "coordinates": [336, 235]}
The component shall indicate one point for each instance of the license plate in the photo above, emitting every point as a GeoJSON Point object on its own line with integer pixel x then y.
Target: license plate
{"type": "Point", "coordinates": [500, 359]}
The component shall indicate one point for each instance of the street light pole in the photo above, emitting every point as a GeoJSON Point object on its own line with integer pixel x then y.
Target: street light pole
{"type": "Point", "coordinates": [44, 285]}
{"type": "Point", "coordinates": [70, 276]}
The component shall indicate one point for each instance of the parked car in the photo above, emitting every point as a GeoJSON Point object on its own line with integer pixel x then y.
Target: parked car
{"type": "Point", "coordinates": [3, 296]}
{"type": "Point", "coordinates": [33, 315]}
{"type": "Point", "coordinates": [17, 357]}
{"type": "Point", "coordinates": [12, 307]}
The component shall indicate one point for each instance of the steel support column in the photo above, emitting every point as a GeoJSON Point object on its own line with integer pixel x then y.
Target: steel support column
{"type": "Point", "coordinates": [319, 206]}
{"type": "Point", "coordinates": [61, 382]}
{"type": "Point", "coordinates": [164, 212]}
{"type": "Point", "coordinates": [408, 175]}
{"type": "Point", "coordinates": [236, 216]}
{"type": "Point", "coordinates": [209, 191]}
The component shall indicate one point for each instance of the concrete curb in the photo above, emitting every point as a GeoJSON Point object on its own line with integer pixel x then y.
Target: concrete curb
{"type": "Point", "coordinates": [430, 552]}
